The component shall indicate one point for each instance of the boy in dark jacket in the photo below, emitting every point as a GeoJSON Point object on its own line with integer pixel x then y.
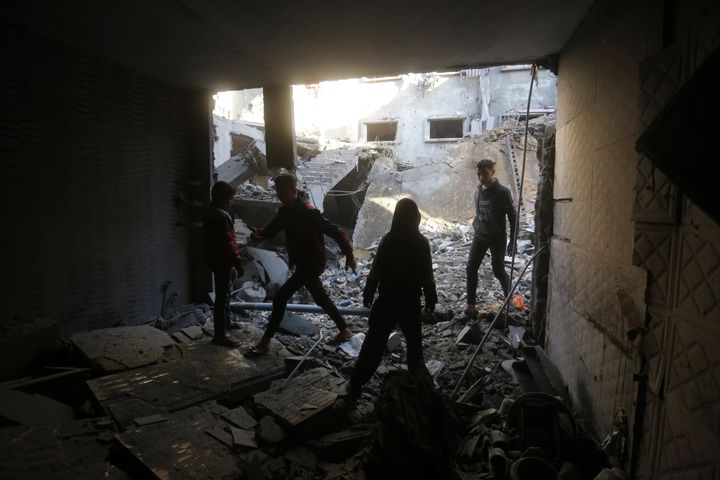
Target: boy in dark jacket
{"type": "Point", "coordinates": [493, 202]}
{"type": "Point", "coordinates": [304, 228]}
{"type": "Point", "coordinates": [402, 270]}
{"type": "Point", "coordinates": [221, 256]}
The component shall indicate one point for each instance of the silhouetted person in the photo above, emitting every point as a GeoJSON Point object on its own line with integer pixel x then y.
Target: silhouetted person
{"type": "Point", "coordinates": [221, 256]}
{"type": "Point", "coordinates": [493, 202]}
{"type": "Point", "coordinates": [304, 228]}
{"type": "Point", "coordinates": [402, 272]}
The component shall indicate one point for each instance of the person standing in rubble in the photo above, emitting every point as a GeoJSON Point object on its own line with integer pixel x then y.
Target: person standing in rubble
{"type": "Point", "coordinates": [493, 202]}
{"type": "Point", "coordinates": [304, 228]}
{"type": "Point", "coordinates": [222, 255]}
{"type": "Point", "coordinates": [402, 272]}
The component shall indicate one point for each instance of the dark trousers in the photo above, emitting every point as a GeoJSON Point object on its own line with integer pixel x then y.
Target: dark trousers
{"type": "Point", "coordinates": [384, 316]}
{"type": "Point", "coordinates": [478, 249]}
{"type": "Point", "coordinates": [312, 282]}
{"type": "Point", "coordinates": [221, 311]}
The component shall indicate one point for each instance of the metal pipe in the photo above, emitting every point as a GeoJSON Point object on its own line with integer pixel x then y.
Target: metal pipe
{"type": "Point", "coordinates": [296, 307]}
{"type": "Point", "coordinates": [492, 324]}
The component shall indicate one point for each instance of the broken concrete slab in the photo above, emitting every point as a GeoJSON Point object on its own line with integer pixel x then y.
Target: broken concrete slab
{"type": "Point", "coordinates": [240, 418]}
{"type": "Point", "coordinates": [274, 266]}
{"type": "Point", "coordinates": [298, 325]}
{"type": "Point", "coordinates": [26, 409]}
{"type": "Point", "coordinates": [303, 405]}
{"type": "Point", "coordinates": [55, 452]}
{"type": "Point", "coordinates": [182, 447]}
{"type": "Point", "coordinates": [204, 372]}
{"type": "Point", "coordinates": [122, 348]}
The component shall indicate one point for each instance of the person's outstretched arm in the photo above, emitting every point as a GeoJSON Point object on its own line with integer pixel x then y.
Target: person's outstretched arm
{"type": "Point", "coordinates": [333, 231]}
{"type": "Point", "coordinates": [275, 226]}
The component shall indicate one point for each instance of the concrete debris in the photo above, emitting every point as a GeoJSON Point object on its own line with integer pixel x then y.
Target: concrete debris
{"type": "Point", "coordinates": [270, 433]}
{"type": "Point", "coordinates": [252, 292]}
{"type": "Point", "coordinates": [403, 424]}
{"type": "Point", "coordinates": [352, 347]}
{"type": "Point", "coordinates": [149, 420]}
{"type": "Point", "coordinates": [394, 341]}
{"type": "Point", "coordinates": [243, 438]}
{"type": "Point", "coordinates": [122, 348]}
{"type": "Point", "coordinates": [240, 418]}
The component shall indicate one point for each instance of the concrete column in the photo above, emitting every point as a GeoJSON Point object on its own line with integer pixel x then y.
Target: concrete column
{"type": "Point", "coordinates": [279, 127]}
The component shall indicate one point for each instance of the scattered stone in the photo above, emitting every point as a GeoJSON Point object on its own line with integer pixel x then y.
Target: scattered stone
{"type": "Point", "coordinates": [394, 341]}
{"type": "Point", "coordinates": [194, 332]}
{"type": "Point", "coordinates": [149, 420]}
{"type": "Point", "coordinates": [270, 433]}
{"type": "Point", "coordinates": [470, 334]}
{"type": "Point", "coordinates": [243, 438]}
{"type": "Point", "coordinates": [487, 417]}
{"type": "Point", "coordinates": [240, 418]}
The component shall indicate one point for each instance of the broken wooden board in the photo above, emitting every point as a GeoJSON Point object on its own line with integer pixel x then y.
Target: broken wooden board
{"type": "Point", "coordinates": [184, 447]}
{"type": "Point", "coordinates": [77, 450]}
{"type": "Point", "coordinates": [26, 409]}
{"type": "Point", "coordinates": [301, 405]}
{"type": "Point", "coordinates": [122, 348]}
{"type": "Point", "coordinates": [204, 372]}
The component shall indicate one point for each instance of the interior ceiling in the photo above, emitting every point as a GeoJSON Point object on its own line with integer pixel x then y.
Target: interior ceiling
{"type": "Point", "coordinates": [231, 44]}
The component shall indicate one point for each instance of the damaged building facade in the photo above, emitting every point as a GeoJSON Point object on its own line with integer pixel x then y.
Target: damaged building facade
{"type": "Point", "coordinates": [108, 160]}
{"type": "Point", "coordinates": [417, 115]}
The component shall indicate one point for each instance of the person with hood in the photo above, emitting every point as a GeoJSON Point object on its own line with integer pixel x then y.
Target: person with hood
{"type": "Point", "coordinates": [401, 272]}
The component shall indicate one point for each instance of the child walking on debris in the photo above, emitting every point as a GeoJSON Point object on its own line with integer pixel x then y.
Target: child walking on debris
{"type": "Point", "coordinates": [402, 271]}
{"type": "Point", "coordinates": [221, 256]}
{"type": "Point", "coordinates": [304, 228]}
{"type": "Point", "coordinates": [493, 202]}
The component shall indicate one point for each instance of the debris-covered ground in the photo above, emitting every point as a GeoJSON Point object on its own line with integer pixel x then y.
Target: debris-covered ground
{"type": "Point", "coordinates": [159, 401]}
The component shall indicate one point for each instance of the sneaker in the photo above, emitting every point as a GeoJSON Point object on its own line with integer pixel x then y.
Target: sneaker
{"type": "Point", "coordinates": [226, 342]}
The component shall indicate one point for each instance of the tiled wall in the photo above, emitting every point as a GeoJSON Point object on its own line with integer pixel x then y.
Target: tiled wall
{"type": "Point", "coordinates": [614, 211]}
